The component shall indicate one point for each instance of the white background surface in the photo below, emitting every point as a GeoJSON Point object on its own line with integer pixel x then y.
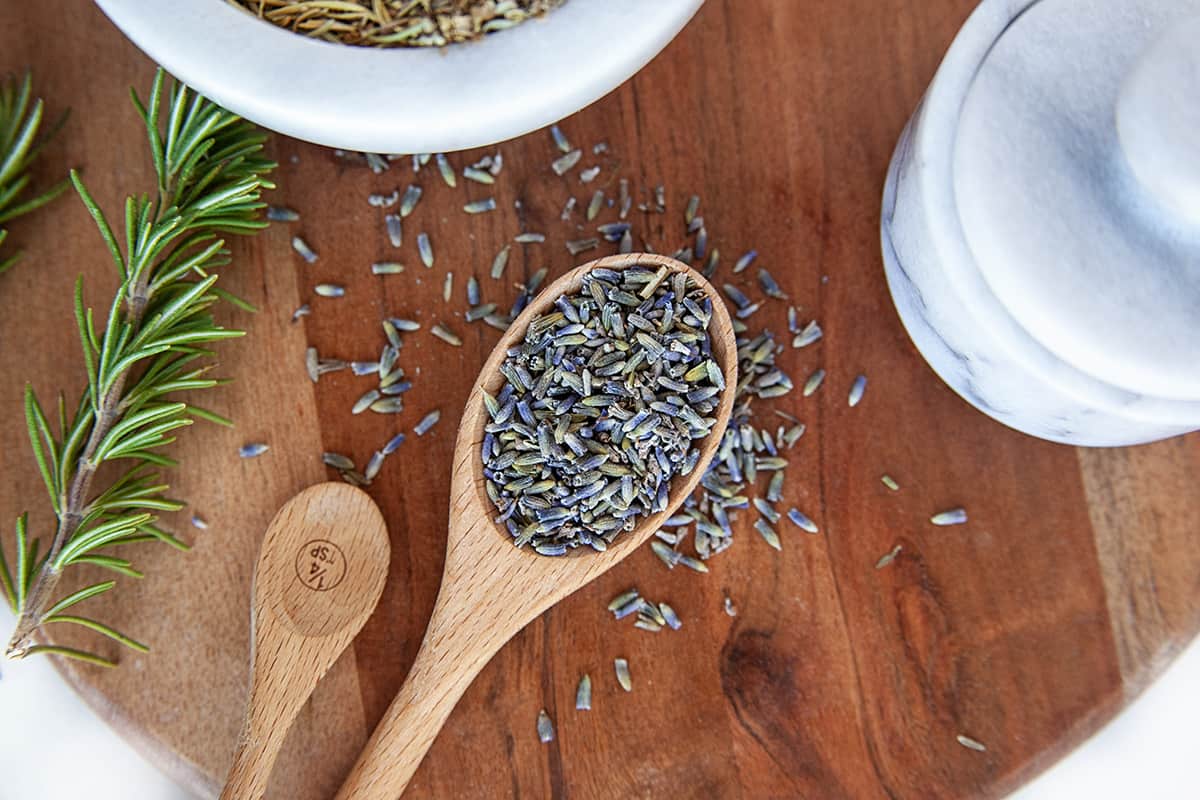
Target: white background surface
{"type": "Point", "coordinates": [52, 747]}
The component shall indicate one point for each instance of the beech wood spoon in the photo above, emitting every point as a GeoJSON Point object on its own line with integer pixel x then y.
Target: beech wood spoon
{"type": "Point", "coordinates": [320, 572]}
{"type": "Point", "coordinates": [491, 589]}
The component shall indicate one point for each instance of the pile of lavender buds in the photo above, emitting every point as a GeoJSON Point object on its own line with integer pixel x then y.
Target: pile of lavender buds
{"type": "Point", "coordinates": [601, 407]}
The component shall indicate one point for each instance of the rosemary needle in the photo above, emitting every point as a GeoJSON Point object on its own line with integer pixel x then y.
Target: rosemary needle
{"type": "Point", "coordinates": [19, 146]}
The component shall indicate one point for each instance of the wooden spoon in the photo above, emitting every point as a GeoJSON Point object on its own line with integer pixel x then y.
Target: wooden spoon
{"type": "Point", "coordinates": [320, 572]}
{"type": "Point", "coordinates": [491, 589]}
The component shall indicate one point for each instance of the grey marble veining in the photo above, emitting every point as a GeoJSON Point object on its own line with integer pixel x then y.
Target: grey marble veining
{"type": "Point", "coordinates": [1065, 323]}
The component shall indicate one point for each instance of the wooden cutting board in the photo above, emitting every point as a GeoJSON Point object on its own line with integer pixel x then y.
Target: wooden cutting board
{"type": "Point", "coordinates": [1070, 588]}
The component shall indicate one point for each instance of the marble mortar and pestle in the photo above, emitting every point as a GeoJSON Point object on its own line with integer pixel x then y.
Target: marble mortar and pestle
{"type": "Point", "coordinates": [1041, 218]}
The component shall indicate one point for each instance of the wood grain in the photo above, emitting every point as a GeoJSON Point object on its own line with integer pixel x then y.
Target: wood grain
{"type": "Point", "coordinates": [1026, 629]}
{"type": "Point", "coordinates": [321, 569]}
{"type": "Point", "coordinates": [1146, 540]}
{"type": "Point", "coordinates": [490, 590]}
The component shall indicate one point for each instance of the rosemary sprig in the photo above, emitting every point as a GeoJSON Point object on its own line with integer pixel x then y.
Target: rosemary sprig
{"type": "Point", "coordinates": [19, 145]}
{"type": "Point", "coordinates": [210, 172]}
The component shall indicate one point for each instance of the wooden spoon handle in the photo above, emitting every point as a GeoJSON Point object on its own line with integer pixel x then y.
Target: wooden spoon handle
{"type": "Point", "coordinates": [271, 707]}
{"type": "Point", "coordinates": [444, 668]}
{"type": "Point", "coordinates": [252, 764]}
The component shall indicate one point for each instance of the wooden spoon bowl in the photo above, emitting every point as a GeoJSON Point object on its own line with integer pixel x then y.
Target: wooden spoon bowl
{"type": "Point", "coordinates": [491, 589]}
{"type": "Point", "coordinates": [320, 573]}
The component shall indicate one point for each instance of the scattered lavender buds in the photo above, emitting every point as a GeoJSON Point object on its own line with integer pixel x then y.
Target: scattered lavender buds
{"type": "Point", "coordinates": [301, 247]}
{"type": "Point", "coordinates": [745, 261]}
{"type": "Point", "coordinates": [593, 209]}
{"type": "Point", "coordinates": [500, 262]}
{"type": "Point", "coordinates": [480, 206]}
{"type": "Point", "coordinates": [955, 516]}
{"type": "Point", "coordinates": [583, 695]}
{"type": "Point", "coordinates": [545, 727]}
{"type": "Point", "coordinates": [395, 229]}
{"type": "Point", "coordinates": [767, 510]}
{"type": "Point", "coordinates": [479, 176]}
{"type": "Point", "coordinates": [768, 533]}
{"type": "Point", "coordinates": [889, 557]}
{"type": "Point", "coordinates": [563, 164]}
{"type": "Point", "coordinates": [971, 744]}
{"type": "Point", "coordinates": [622, 600]}
{"type": "Point", "coordinates": [857, 389]}
{"type": "Point", "coordinates": [427, 422]}
{"type": "Point", "coordinates": [393, 444]}
{"type": "Point", "coordinates": [406, 325]}
{"type": "Point", "coordinates": [621, 666]}
{"type": "Point", "coordinates": [377, 163]}
{"type": "Point", "coordinates": [383, 200]}
{"type": "Point", "coordinates": [560, 139]}
{"type": "Point", "coordinates": [446, 170]}
{"type": "Point", "coordinates": [364, 402]}
{"type": "Point", "coordinates": [337, 461]}
{"type": "Point", "coordinates": [312, 362]}
{"type": "Point", "coordinates": [282, 214]}
{"type": "Point", "coordinates": [580, 245]}
{"type": "Point", "coordinates": [808, 335]}
{"type": "Point", "coordinates": [672, 619]}
{"type": "Point", "coordinates": [252, 450]}
{"type": "Point", "coordinates": [374, 465]}
{"type": "Point", "coordinates": [801, 521]}
{"type": "Point", "coordinates": [626, 245]}
{"type": "Point", "coordinates": [425, 249]}
{"type": "Point", "coordinates": [412, 194]}
{"type": "Point", "coordinates": [560, 486]}
{"type": "Point", "coordinates": [446, 335]}
{"type": "Point", "coordinates": [814, 382]}
{"type": "Point", "coordinates": [482, 311]}
{"type": "Point", "coordinates": [736, 296]}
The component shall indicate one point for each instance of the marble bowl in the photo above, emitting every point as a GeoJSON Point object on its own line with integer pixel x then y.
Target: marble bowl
{"type": "Point", "coordinates": [418, 100]}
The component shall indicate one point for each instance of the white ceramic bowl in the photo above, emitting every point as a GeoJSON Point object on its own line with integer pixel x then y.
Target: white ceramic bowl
{"type": "Point", "coordinates": [418, 100]}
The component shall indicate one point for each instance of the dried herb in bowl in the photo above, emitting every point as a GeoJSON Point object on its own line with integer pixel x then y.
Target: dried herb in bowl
{"type": "Point", "coordinates": [397, 23]}
{"type": "Point", "coordinates": [602, 404]}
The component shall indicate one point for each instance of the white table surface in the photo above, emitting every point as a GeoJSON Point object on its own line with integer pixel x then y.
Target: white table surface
{"type": "Point", "coordinates": [1147, 751]}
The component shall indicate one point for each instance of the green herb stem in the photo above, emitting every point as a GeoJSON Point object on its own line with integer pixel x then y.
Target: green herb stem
{"type": "Point", "coordinates": [210, 174]}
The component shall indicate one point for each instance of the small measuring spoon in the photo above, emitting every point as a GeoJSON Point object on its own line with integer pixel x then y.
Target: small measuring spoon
{"type": "Point", "coordinates": [320, 572]}
{"type": "Point", "coordinates": [491, 589]}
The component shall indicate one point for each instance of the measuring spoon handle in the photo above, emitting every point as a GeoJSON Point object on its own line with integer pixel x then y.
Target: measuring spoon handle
{"type": "Point", "coordinates": [279, 686]}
